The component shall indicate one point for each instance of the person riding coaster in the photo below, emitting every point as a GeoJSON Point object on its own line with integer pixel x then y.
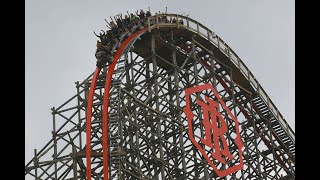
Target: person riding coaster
{"type": "Point", "coordinates": [111, 40]}
{"type": "Point", "coordinates": [103, 58]}
{"type": "Point", "coordinates": [141, 15]}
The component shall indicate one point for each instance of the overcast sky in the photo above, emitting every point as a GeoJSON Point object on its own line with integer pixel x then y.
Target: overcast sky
{"type": "Point", "coordinates": [60, 48]}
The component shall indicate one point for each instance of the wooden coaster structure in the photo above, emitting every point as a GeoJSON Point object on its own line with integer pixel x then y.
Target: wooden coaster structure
{"type": "Point", "coordinates": [127, 119]}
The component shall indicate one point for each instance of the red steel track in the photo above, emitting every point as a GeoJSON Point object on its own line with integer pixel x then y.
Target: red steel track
{"type": "Point", "coordinates": [269, 148]}
{"type": "Point", "coordinates": [88, 120]}
{"type": "Point", "coordinates": [107, 88]}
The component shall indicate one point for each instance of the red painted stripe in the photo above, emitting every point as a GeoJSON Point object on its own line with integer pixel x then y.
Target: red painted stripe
{"type": "Point", "coordinates": [88, 120]}
{"type": "Point", "coordinates": [107, 88]}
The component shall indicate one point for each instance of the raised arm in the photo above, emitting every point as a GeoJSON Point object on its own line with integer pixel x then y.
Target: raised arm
{"type": "Point", "coordinates": [95, 34]}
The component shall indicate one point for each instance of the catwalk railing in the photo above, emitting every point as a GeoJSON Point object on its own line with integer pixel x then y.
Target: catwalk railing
{"type": "Point", "coordinates": [153, 23]}
{"type": "Point", "coordinates": [208, 34]}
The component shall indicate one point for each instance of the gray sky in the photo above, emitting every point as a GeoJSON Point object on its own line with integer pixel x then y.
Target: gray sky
{"type": "Point", "coordinates": [60, 48]}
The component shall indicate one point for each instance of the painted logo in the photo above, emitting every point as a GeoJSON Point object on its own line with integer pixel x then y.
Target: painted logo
{"type": "Point", "coordinates": [221, 143]}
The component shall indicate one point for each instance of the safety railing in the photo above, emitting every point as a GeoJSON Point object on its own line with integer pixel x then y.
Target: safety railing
{"type": "Point", "coordinates": [157, 21]}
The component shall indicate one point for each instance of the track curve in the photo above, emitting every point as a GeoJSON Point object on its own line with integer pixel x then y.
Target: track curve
{"type": "Point", "coordinates": [107, 88]}
{"type": "Point", "coordinates": [88, 120]}
{"type": "Point", "coordinates": [245, 78]}
{"type": "Point", "coordinates": [269, 142]}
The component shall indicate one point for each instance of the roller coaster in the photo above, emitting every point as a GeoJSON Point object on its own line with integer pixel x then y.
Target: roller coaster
{"type": "Point", "coordinates": [169, 99]}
